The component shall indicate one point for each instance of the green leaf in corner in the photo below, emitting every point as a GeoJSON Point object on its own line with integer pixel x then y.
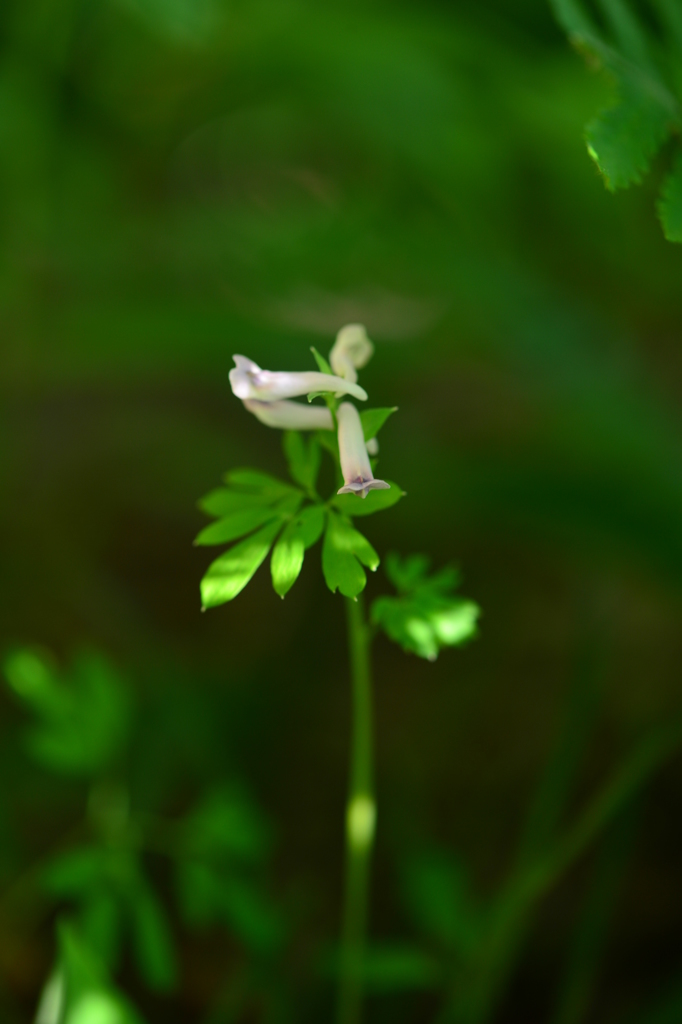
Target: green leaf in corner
{"type": "Point", "coordinates": [303, 455]}
{"type": "Point", "coordinates": [343, 550]}
{"type": "Point", "coordinates": [230, 573]}
{"type": "Point", "coordinates": [376, 501]}
{"type": "Point", "coordinates": [670, 204]}
{"type": "Point", "coordinates": [373, 420]}
{"type": "Point", "coordinates": [624, 139]}
{"type": "Point", "coordinates": [288, 553]}
{"type": "Point", "coordinates": [322, 364]}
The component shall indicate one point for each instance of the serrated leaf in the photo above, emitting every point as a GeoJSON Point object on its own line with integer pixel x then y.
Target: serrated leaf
{"type": "Point", "coordinates": [376, 501]}
{"type": "Point", "coordinates": [230, 573]}
{"type": "Point", "coordinates": [322, 364]}
{"type": "Point", "coordinates": [235, 525]}
{"type": "Point", "coordinates": [223, 502]}
{"type": "Point", "coordinates": [623, 140]}
{"type": "Point", "coordinates": [152, 939]}
{"type": "Point", "coordinates": [303, 455]}
{"type": "Point", "coordinates": [343, 550]}
{"type": "Point", "coordinates": [289, 551]}
{"type": "Point", "coordinates": [373, 420]}
{"type": "Point", "coordinates": [670, 203]}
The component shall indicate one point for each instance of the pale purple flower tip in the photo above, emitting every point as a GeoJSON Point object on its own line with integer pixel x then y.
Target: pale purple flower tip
{"type": "Point", "coordinates": [357, 472]}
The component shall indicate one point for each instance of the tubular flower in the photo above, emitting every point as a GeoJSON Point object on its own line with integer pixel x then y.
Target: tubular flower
{"type": "Point", "coordinates": [291, 415]}
{"type": "Point", "coordinates": [249, 381]}
{"type": "Point", "coordinates": [352, 350]}
{"type": "Point", "coordinates": [355, 466]}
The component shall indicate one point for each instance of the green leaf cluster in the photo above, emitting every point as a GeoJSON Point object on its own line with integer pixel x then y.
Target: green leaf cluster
{"type": "Point", "coordinates": [82, 716]}
{"type": "Point", "coordinates": [426, 615]}
{"type": "Point", "coordinates": [274, 516]}
{"type": "Point", "coordinates": [646, 71]}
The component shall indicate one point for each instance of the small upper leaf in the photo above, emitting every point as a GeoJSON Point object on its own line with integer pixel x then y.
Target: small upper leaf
{"type": "Point", "coordinates": [373, 420]}
{"type": "Point", "coordinates": [322, 364]}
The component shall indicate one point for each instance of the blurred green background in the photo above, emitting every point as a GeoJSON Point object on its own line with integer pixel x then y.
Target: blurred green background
{"type": "Point", "coordinates": [185, 179]}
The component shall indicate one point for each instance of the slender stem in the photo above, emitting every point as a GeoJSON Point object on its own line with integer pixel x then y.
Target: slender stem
{"type": "Point", "coordinates": [360, 819]}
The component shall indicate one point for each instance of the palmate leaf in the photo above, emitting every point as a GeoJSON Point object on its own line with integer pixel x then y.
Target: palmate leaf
{"type": "Point", "coordinates": [287, 557]}
{"type": "Point", "coordinates": [342, 552]}
{"type": "Point", "coordinates": [426, 615]}
{"type": "Point", "coordinates": [253, 501]}
{"type": "Point", "coordinates": [373, 420]}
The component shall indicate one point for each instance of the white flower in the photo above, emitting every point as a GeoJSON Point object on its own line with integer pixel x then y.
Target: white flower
{"type": "Point", "coordinates": [249, 381]}
{"type": "Point", "coordinates": [352, 350]}
{"type": "Point", "coordinates": [291, 415]}
{"type": "Point", "coordinates": [355, 466]}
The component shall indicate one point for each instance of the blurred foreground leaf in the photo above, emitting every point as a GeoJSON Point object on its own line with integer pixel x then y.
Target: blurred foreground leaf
{"type": "Point", "coordinates": [83, 715]}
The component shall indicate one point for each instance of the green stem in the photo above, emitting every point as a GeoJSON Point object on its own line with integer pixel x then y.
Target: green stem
{"type": "Point", "coordinates": [360, 820]}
